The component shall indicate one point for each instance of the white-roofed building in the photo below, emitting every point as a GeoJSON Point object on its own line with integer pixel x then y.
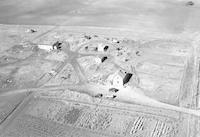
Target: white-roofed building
{"type": "Point", "coordinates": [116, 79]}
{"type": "Point", "coordinates": [46, 47]}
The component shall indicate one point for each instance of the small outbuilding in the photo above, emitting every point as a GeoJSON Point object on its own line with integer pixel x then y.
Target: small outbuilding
{"type": "Point", "coordinates": [57, 45]}
{"type": "Point", "coordinates": [103, 59]}
{"type": "Point", "coordinates": [106, 48]}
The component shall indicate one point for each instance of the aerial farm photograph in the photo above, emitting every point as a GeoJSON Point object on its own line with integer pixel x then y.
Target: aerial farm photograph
{"type": "Point", "coordinates": [99, 68]}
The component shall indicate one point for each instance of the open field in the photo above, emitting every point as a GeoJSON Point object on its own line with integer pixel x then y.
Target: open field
{"type": "Point", "coordinates": [155, 15]}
